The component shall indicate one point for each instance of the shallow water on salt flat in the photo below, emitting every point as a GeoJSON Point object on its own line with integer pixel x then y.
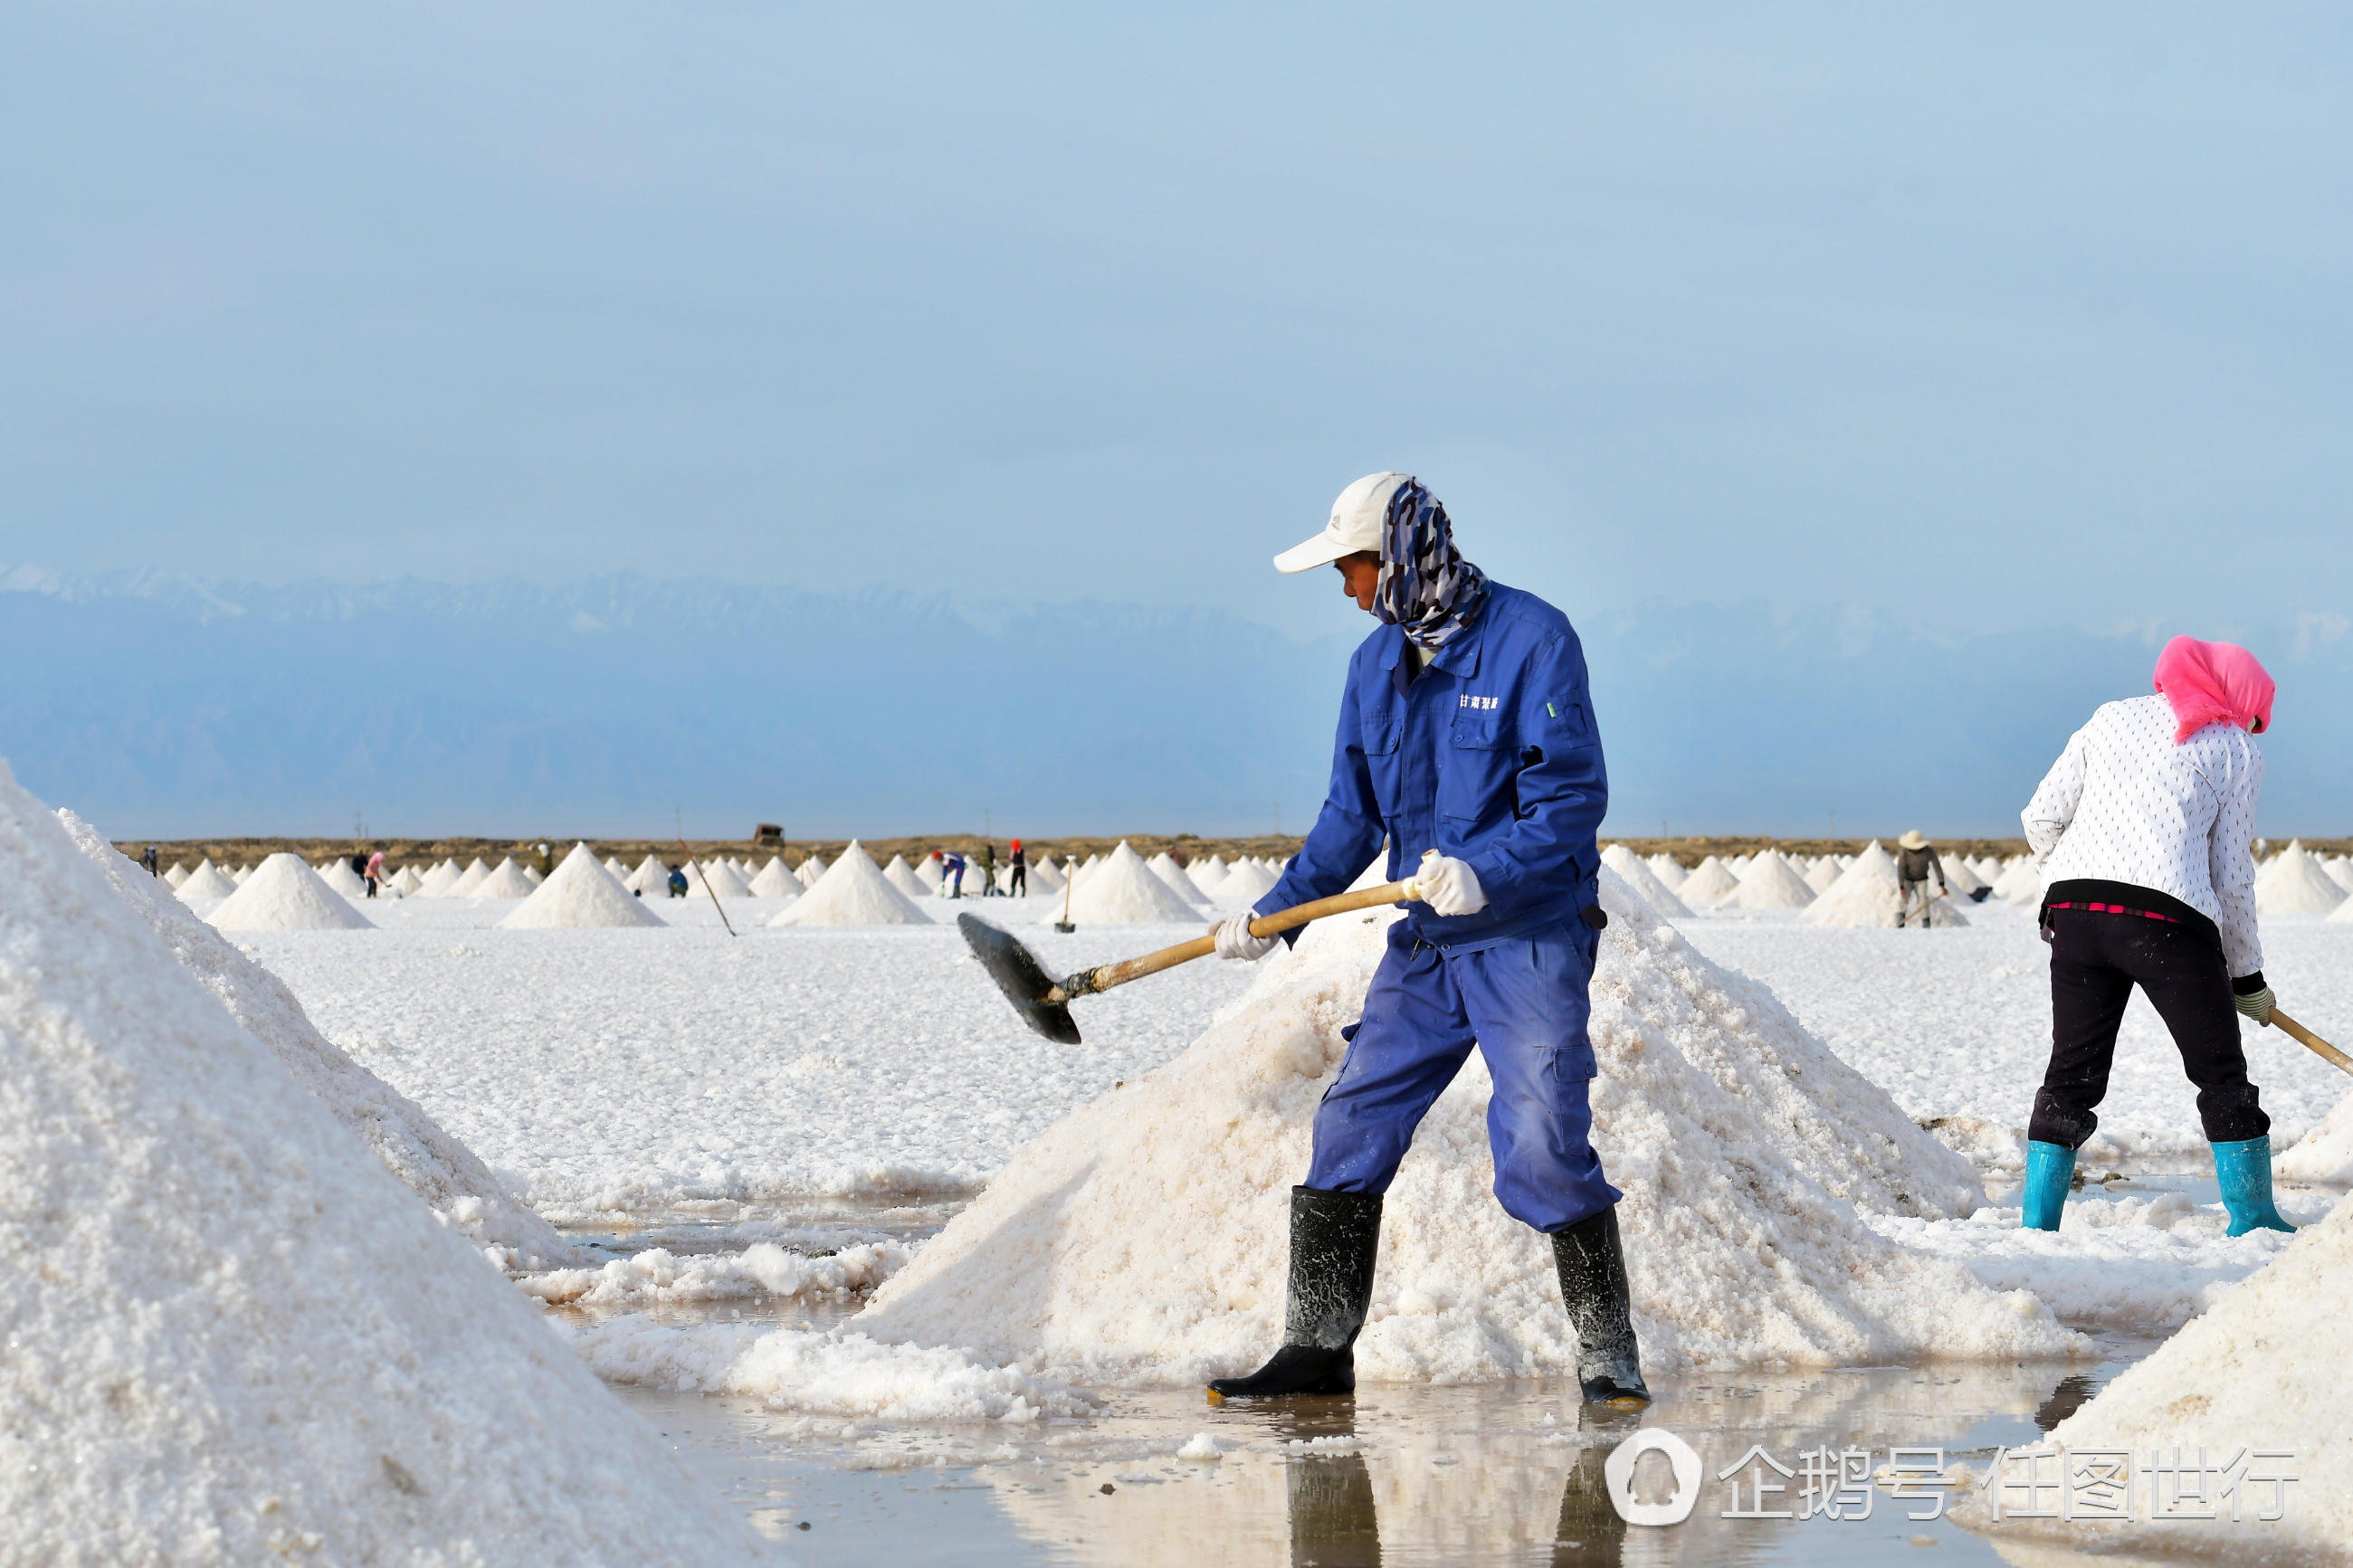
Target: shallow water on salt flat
{"type": "Point", "coordinates": [1498, 1474]}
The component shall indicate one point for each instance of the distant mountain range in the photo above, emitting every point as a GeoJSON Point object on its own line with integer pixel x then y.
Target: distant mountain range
{"type": "Point", "coordinates": [163, 706]}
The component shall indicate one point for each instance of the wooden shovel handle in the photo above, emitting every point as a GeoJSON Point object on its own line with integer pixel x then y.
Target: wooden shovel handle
{"type": "Point", "coordinates": [1087, 981]}
{"type": "Point", "coordinates": [2298, 1033]}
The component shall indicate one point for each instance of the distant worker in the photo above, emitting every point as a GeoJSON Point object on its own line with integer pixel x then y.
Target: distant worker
{"type": "Point", "coordinates": [1466, 729]}
{"type": "Point", "coordinates": [678, 881]}
{"type": "Point", "coordinates": [1017, 880]}
{"type": "Point", "coordinates": [2140, 831]}
{"type": "Point", "coordinates": [951, 873]}
{"type": "Point", "coordinates": [150, 861]}
{"type": "Point", "coordinates": [1916, 861]}
{"type": "Point", "coordinates": [989, 868]}
{"type": "Point", "coordinates": [375, 871]}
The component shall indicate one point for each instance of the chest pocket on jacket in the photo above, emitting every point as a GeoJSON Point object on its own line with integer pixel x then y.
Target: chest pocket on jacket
{"type": "Point", "coordinates": [1477, 771]}
{"type": "Point", "coordinates": [1382, 732]}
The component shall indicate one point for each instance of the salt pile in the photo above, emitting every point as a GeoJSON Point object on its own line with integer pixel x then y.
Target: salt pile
{"type": "Point", "coordinates": [1667, 869]}
{"type": "Point", "coordinates": [811, 870]}
{"type": "Point", "coordinates": [651, 878]}
{"type": "Point", "coordinates": [2293, 884]}
{"type": "Point", "coordinates": [723, 880]}
{"type": "Point", "coordinates": [1710, 883]}
{"type": "Point", "coordinates": [1645, 883]}
{"type": "Point", "coordinates": [1163, 866]}
{"type": "Point", "coordinates": [176, 875]}
{"type": "Point", "coordinates": [1246, 884]}
{"type": "Point", "coordinates": [2263, 1370]}
{"type": "Point", "coordinates": [473, 876]}
{"type": "Point", "coordinates": [2020, 882]}
{"type": "Point", "coordinates": [1959, 876]}
{"type": "Point", "coordinates": [405, 882]}
{"type": "Point", "coordinates": [438, 882]}
{"type": "Point", "coordinates": [507, 882]}
{"type": "Point", "coordinates": [412, 1145]}
{"type": "Point", "coordinates": [285, 894]}
{"type": "Point", "coordinates": [853, 893]}
{"type": "Point", "coordinates": [1770, 882]}
{"type": "Point", "coordinates": [903, 877]}
{"type": "Point", "coordinates": [1045, 876]}
{"type": "Point", "coordinates": [233, 1337]}
{"type": "Point", "coordinates": [1144, 1238]}
{"type": "Point", "coordinates": [1824, 871]}
{"type": "Point", "coordinates": [209, 882]}
{"type": "Point", "coordinates": [1123, 889]}
{"type": "Point", "coordinates": [337, 873]}
{"type": "Point", "coordinates": [581, 893]}
{"type": "Point", "coordinates": [1868, 893]}
{"type": "Point", "coordinates": [240, 874]}
{"type": "Point", "coordinates": [1207, 874]}
{"type": "Point", "coordinates": [776, 880]}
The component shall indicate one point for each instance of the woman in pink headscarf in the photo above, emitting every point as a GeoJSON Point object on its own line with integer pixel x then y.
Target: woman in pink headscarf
{"type": "Point", "coordinates": [2142, 832]}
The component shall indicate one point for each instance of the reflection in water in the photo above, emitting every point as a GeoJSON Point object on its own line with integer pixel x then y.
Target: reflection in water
{"type": "Point", "coordinates": [1333, 1522]}
{"type": "Point", "coordinates": [1590, 1534]}
{"type": "Point", "coordinates": [2073, 1392]}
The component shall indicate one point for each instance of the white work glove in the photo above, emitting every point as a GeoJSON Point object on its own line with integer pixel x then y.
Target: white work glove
{"type": "Point", "coordinates": [2257, 1005]}
{"type": "Point", "coordinates": [1449, 886]}
{"type": "Point", "coordinates": [1233, 939]}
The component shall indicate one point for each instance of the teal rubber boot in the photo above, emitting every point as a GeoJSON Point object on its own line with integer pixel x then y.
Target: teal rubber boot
{"type": "Point", "coordinates": [2050, 1170]}
{"type": "Point", "coordinates": [2244, 1170]}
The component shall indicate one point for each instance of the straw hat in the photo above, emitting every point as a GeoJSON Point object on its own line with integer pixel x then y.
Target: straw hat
{"type": "Point", "coordinates": [1913, 841]}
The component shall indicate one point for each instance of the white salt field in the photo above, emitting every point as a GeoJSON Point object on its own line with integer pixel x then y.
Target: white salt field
{"type": "Point", "coordinates": [876, 1261]}
{"type": "Point", "coordinates": [754, 1130]}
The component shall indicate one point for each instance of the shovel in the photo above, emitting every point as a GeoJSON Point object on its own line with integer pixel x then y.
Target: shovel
{"type": "Point", "coordinates": [1044, 1004]}
{"type": "Point", "coordinates": [2305, 1037]}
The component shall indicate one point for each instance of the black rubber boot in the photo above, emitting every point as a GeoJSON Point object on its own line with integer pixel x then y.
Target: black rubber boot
{"type": "Point", "coordinates": [1334, 1236]}
{"type": "Point", "coordinates": [1593, 1284]}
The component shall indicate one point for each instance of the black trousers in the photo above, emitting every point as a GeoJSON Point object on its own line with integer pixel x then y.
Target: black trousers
{"type": "Point", "coordinates": [1018, 885]}
{"type": "Point", "coordinates": [2095, 962]}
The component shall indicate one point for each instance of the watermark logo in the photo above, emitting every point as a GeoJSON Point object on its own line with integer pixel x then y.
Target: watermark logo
{"type": "Point", "coordinates": [1618, 1470]}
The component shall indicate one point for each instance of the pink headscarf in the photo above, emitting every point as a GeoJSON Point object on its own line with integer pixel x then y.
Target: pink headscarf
{"type": "Point", "coordinates": [2213, 683]}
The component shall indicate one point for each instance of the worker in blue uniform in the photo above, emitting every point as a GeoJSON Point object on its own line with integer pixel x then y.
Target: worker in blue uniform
{"type": "Point", "coordinates": [1467, 739]}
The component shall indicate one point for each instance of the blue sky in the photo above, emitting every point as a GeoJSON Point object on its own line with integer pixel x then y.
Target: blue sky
{"type": "Point", "coordinates": [2000, 317]}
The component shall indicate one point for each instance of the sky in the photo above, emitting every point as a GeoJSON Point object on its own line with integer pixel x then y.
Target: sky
{"type": "Point", "coordinates": [1987, 320]}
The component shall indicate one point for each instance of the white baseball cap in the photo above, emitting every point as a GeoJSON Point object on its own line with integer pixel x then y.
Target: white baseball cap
{"type": "Point", "coordinates": [1356, 518]}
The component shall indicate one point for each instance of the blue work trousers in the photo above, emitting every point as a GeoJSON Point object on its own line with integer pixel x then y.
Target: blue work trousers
{"type": "Point", "coordinates": [1522, 1001]}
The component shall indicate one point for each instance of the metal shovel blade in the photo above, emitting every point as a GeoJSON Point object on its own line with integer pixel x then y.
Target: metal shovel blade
{"type": "Point", "coordinates": [1018, 975]}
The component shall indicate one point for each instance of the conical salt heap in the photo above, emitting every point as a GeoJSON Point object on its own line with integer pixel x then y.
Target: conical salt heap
{"type": "Point", "coordinates": [852, 892]}
{"type": "Point", "coordinates": [1710, 883]}
{"type": "Point", "coordinates": [209, 882]}
{"type": "Point", "coordinates": [1638, 875]}
{"type": "Point", "coordinates": [2292, 883]}
{"type": "Point", "coordinates": [1867, 893]}
{"type": "Point", "coordinates": [903, 877]}
{"type": "Point", "coordinates": [1123, 889]}
{"type": "Point", "coordinates": [722, 878]}
{"type": "Point", "coordinates": [1143, 1238]}
{"type": "Point", "coordinates": [809, 870]}
{"type": "Point", "coordinates": [1163, 866]}
{"type": "Point", "coordinates": [178, 874]}
{"type": "Point", "coordinates": [285, 894]}
{"type": "Point", "coordinates": [337, 873]}
{"type": "Point", "coordinates": [233, 1338]}
{"type": "Point", "coordinates": [776, 880]}
{"type": "Point", "coordinates": [471, 878]}
{"type": "Point", "coordinates": [412, 1145]}
{"type": "Point", "coordinates": [507, 882]}
{"type": "Point", "coordinates": [1207, 874]}
{"type": "Point", "coordinates": [2260, 1373]}
{"type": "Point", "coordinates": [582, 893]}
{"type": "Point", "coordinates": [1246, 884]}
{"type": "Point", "coordinates": [1770, 882]}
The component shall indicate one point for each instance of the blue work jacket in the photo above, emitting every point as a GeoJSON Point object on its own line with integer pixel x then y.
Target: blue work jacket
{"type": "Point", "coordinates": [1490, 756]}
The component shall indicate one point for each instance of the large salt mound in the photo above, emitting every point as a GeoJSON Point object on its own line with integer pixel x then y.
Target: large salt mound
{"type": "Point", "coordinates": [811, 870]}
{"type": "Point", "coordinates": [1123, 889]}
{"type": "Point", "coordinates": [507, 882]}
{"type": "Point", "coordinates": [1667, 869]}
{"type": "Point", "coordinates": [1959, 874]}
{"type": "Point", "coordinates": [1246, 884]}
{"type": "Point", "coordinates": [1868, 893]}
{"type": "Point", "coordinates": [1163, 866]}
{"type": "Point", "coordinates": [903, 877]}
{"type": "Point", "coordinates": [412, 1145]}
{"type": "Point", "coordinates": [337, 873]}
{"type": "Point", "coordinates": [1710, 883]}
{"type": "Point", "coordinates": [178, 874]}
{"type": "Point", "coordinates": [209, 882]}
{"type": "Point", "coordinates": [234, 1337]}
{"type": "Point", "coordinates": [1770, 882]}
{"type": "Point", "coordinates": [776, 880]}
{"type": "Point", "coordinates": [2295, 884]}
{"type": "Point", "coordinates": [286, 895]}
{"type": "Point", "coordinates": [581, 893]}
{"type": "Point", "coordinates": [473, 876]}
{"type": "Point", "coordinates": [1045, 876]}
{"type": "Point", "coordinates": [1207, 874]}
{"type": "Point", "coordinates": [853, 892]}
{"type": "Point", "coordinates": [1821, 874]}
{"type": "Point", "coordinates": [405, 882]}
{"type": "Point", "coordinates": [1645, 882]}
{"type": "Point", "coordinates": [1143, 1238]}
{"type": "Point", "coordinates": [2020, 882]}
{"type": "Point", "coordinates": [2264, 1369]}
{"type": "Point", "coordinates": [440, 880]}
